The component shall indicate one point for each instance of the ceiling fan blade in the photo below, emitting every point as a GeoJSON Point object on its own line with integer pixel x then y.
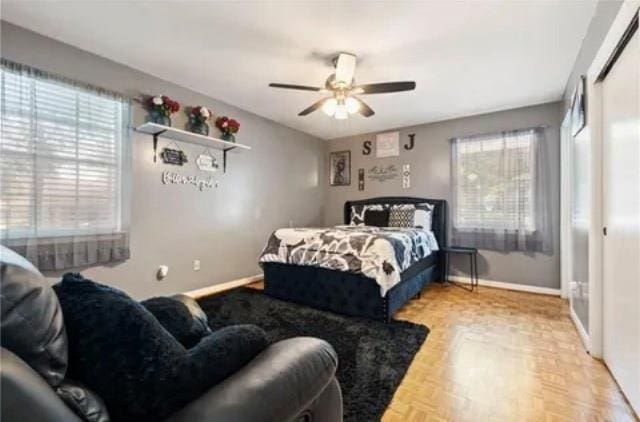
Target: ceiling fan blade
{"type": "Point", "coordinates": [298, 87]}
{"type": "Point", "coordinates": [385, 87]}
{"type": "Point", "coordinates": [345, 68]}
{"type": "Point", "coordinates": [365, 110]}
{"type": "Point", "coordinates": [313, 107]}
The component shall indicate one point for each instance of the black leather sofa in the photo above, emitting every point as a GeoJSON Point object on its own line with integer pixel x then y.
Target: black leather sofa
{"type": "Point", "coordinates": [293, 380]}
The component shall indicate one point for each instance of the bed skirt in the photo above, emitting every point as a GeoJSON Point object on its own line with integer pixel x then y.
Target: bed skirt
{"type": "Point", "coordinates": [342, 292]}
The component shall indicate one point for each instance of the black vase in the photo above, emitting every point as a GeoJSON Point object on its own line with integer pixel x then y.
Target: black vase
{"type": "Point", "coordinates": [226, 136]}
{"type": "Point", "coordinates": [199, 128]}
{"type": "Point", "coordinates": [159, 118]}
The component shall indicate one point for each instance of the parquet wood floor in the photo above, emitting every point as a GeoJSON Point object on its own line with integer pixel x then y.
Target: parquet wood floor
{"type": "Point", "coordinates": [498, 355]}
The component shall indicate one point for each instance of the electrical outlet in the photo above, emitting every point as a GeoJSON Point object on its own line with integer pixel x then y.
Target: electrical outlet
{"type": "Point", "coordinates": [196, 265]}
{"type": "Point", "coordinates": [162, 272]}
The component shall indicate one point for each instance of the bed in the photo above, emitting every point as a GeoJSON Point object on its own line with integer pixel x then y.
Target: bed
{"type": "Point", "coordinates": [359, 293]}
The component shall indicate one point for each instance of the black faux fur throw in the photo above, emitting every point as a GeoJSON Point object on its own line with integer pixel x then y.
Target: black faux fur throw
{"type": "Point", "coordinates": [118, 349]}
{"type": "Point", "coordinates": [177, 320]}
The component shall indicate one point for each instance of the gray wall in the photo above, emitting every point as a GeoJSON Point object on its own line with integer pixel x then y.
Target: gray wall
{"type": "Point", "coordinates": [281, 179]}
{"type": "Point", "coordinates": [430, 174]}
{"type": "Point", "coordinates": [606, 11]}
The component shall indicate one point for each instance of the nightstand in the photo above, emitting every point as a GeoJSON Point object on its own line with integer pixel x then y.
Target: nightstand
{"type": "Point", "coordinates": [473, 264]}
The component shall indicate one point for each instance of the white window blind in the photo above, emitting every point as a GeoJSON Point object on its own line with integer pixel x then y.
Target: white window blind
{"type": "Point", "coordinates": [61, 158]}
{"type": "Point", "coordinates": [494, 182]}
{"type": "Point", "coordinates": [500, 191]}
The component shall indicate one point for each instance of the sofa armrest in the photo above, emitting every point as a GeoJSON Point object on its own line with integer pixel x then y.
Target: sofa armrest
{"type": "Point", "coordinates": [277, 385]}
{"type": "Point", "coordinates": [26, 396]}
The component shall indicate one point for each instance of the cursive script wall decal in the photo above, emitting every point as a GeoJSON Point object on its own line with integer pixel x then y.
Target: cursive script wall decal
{"type": "Point", "coordinates": [172, 178]}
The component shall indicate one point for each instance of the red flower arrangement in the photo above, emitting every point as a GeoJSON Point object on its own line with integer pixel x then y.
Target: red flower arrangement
{"type": "Point", "coordinates": [163, 105]}
{"type": "Point", "coordinates": [199, 114]}
{"type": "Point", "coordinates": [227, 125]}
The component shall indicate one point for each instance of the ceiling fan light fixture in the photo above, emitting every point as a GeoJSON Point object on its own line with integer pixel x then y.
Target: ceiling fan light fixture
{"type": "Point", "coordinates": [352, 105]}
{"type": "Point", "coordinates": [341, 112]}
{"type": "Point", "coordinates": [329, 106]}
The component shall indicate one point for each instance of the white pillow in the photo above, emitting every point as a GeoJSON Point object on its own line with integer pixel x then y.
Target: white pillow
{"type": "Point", "coordinates": [423, 216]}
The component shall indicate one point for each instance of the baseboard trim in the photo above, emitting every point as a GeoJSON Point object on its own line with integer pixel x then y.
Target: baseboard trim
{"type": "Point", "coordinates": [508, 286]}
{"type": "Point", "coordinates": [581, 331]}
{"type": "Point", "coordinates": [217, 288]}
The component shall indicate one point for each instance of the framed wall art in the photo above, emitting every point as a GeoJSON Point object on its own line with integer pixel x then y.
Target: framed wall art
{"type": "Point", "coordinates": [388, 144]}
{"type": "Point", "coordinates": [579, 107]}
{"type": "Point", "coordinates": [340, 171]}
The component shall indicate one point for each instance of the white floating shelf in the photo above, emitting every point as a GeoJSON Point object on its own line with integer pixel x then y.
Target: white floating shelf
{"type": "Point", "coordinates": [190, 137]}
{"type": "Point", "coordinates": [169, 132]}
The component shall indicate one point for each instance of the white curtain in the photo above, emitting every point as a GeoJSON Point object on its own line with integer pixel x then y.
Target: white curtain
{"type": "Point", "coordinates": [65, 170]}
{"type": "Point", "coordinates": [500, 191]}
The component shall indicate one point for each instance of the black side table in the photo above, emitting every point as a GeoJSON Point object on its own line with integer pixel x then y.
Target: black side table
{"type": "Point", "coordinates": [473, 264]}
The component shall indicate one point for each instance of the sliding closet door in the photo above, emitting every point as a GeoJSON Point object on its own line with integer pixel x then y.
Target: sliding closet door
{"type": "Point", "coordinates": [621, 190]}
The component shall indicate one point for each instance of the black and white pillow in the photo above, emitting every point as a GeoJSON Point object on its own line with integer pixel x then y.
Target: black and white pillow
{"type": "Point", "coordinates": [401, 217]}
{"type": "Point", "coordinates": [423, 216]}
{"type": "Point", "coordinates": [358, 211]}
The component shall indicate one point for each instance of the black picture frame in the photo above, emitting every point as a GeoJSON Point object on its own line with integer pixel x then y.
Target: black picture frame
{"type": "Point", "coordinates": [579, 107]}
{"type": "Point", "coordinates": [340, 168]}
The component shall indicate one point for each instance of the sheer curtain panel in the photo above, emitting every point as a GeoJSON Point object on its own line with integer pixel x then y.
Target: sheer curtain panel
{"type": "Point", "coordinates": [500, 191]}
{"type": "Point", "coordinates": [65, 170]}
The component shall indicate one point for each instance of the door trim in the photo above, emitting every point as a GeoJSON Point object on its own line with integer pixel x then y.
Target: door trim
{"type": "Point", "coordinates": [594, 130]}
{"type": "Point", "coordinates": [566, 172]}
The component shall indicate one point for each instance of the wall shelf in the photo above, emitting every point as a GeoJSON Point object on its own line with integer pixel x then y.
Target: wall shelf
{"type": "Point", "coordinates": [169, 132]}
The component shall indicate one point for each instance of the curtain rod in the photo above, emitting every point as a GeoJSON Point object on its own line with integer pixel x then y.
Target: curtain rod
{"type": "Point", "coordinates": [502, 132]}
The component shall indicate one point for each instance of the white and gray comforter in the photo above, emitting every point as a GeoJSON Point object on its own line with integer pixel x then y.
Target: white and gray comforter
{"type": "Point", "coordinates": [378, 253]}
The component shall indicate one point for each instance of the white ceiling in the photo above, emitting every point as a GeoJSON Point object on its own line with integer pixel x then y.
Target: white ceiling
{"type": "Point", "coordinates": [466, 57]}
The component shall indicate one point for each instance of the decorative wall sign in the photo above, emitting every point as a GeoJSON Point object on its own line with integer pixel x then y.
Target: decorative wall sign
{"type": "Point", "coordinates": [366, 148]}
{"type": "Point", "coordinates": [172, 178]}
{"type": "Point", "coordinates": [411, 143]}
{"type": "Point", "coordinates": [383, 174]}
{"type": "Point", "coordinates": [578, 107]}
{"type": "Point", "coordinates": [173, 156]}
{"type": "Point", "coordinates": [340, 171]}
{"type": "Point", "coordinates": [388, 144]}
{"type": "Point", "coordinates": [406, 176]}
{"type": "Point", "coordinates": [207, 162]}
{"type": "Point", "coordinates": [360, 179]}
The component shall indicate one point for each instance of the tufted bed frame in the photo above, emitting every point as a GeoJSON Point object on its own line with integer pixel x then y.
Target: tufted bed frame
{"type": "Point", "coordinates": [354, 294]}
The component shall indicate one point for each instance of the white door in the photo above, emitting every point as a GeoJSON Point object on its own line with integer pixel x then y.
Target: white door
{"type": "Point", "coordinates": [621, 193]}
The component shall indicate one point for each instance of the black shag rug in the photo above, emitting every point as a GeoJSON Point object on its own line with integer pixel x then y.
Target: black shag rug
{"type": "Point", "coordinates": [373, 356]}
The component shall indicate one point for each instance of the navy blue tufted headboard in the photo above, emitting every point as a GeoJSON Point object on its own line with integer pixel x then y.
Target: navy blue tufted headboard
{"type": "Point", "coordinates": [439, 218]}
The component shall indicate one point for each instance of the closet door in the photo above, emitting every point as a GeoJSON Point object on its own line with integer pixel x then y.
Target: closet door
{"type": "Point", "coordinates": [621, 193]}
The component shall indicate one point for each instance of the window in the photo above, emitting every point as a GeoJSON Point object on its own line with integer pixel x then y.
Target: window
{"type": "Point", "coordinates": [62, 158]}
{"type": "Point", "coordinates": [496, 190]}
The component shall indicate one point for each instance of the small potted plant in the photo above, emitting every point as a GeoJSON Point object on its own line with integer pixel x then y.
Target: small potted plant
{"type": "Point", "coordinates": [198, 117]}
{"type": "Point", "coordinates": [161, 108]}
{"type": "Point", "coordinates": [228, 127]}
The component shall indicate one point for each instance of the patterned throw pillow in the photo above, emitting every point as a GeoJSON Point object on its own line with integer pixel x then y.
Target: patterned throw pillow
{"type": "Point", "coordinates": [401, 217]}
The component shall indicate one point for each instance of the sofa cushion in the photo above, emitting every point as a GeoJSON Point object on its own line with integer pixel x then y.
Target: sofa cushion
{"type": "Point", "coordinates": [32, 325]}
{"type": "Point", "coordinates": [178, 319]}
{"type": "Point", "coordinates": [118, 349]}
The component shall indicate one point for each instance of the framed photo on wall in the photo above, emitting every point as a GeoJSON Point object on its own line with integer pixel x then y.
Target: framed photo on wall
{"type": "Point", "coordinates": [388, 144]}
{"type": "Point", "coordinates": [578, 108]}
{"type": "Point", "coordinates": [340, 171]}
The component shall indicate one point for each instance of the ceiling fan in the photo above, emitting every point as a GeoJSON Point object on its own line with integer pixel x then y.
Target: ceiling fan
{"type": "Point", "coordinates": [342, 88]}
